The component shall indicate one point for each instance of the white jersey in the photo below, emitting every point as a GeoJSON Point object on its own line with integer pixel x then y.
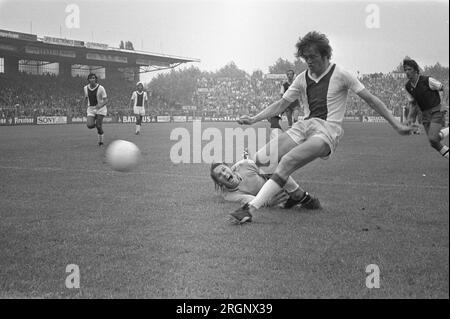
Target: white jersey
{"type": "Point", "coordinates": [139, 98]}
{"type": "Point", "coordinates": [94, 95]}
{"type": "Point", "coordinates": [325, 97]}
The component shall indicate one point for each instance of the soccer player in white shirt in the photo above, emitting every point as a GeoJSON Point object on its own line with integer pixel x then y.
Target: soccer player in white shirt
{"type": "Point", "coordinates": [324, 87]}
{"type": "Point", "coordinates": [139, 102]}
{"type": "Point", "coordinates": [96, 99]}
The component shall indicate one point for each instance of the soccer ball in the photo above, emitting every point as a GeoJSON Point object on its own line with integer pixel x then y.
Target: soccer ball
{"type": "Point", "coordinates": [122, 156]}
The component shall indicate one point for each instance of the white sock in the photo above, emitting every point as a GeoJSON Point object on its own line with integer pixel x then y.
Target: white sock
{"type": "Point", "coordinates": [443, 133]}
{"type": "Point", "coordinates": [291, 185]}
{"type": "Point", "coordinates": [444, 151]}
{"type": "Point", "coordinates": [265, 194]}
{"type": "Point", "coordinates": [138, 128]}
{"type": "Point", "coordinates": [100, 138]}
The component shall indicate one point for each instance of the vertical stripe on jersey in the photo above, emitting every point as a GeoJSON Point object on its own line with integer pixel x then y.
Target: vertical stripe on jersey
{"type": "Point", "coordinates": [92, 95]}
{"type": "Point", "coordinates": [140, 99]}
{"type": "Point", "coordinates": [317, 94]}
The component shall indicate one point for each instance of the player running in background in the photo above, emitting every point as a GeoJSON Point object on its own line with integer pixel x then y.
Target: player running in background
{"type": "Point", "coordinates": [325, 86]}
{"type": "Point", "coordinates": [423, 95]}
{"type": "Point", "coordinates": [139, 102]}
{"type": "Point", "coordinates": [241, 182]}
{"type": "Point", "coordinates": [96, 98]}
{"type": "Point", "coordinates": [293, 109]}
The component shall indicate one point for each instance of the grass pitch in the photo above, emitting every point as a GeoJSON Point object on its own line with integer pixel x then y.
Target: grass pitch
{"type": "Point", "coordinates": [161, 231]}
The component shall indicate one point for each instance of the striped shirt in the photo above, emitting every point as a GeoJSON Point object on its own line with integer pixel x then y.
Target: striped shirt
{"type": "Point", "coordinates": [326, 96]}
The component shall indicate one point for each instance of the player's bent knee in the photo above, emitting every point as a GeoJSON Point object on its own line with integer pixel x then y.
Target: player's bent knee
{"type": "Point", "coordinates": [90, 125]}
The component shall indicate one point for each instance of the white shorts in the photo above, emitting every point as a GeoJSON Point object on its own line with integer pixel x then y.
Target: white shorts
{"type": "Point", "coordinates": [329, 132]}
{"type": "Point", "coordinates": [92, 111]}
{"type": "Point", "coordinates": [139, 110]}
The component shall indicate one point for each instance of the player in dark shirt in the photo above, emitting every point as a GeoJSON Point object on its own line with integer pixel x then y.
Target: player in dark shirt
{"type": "Point", "coordinates": [293, 109]}
{"type": "Point", "coordinates": [423, 95]}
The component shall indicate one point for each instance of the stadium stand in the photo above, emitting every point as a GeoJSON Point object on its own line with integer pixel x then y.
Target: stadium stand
{"type": "Point", "coordinates": [49, 95]}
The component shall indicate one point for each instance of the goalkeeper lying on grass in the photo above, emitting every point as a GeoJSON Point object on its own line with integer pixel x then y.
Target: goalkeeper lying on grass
{"type": "Point", "coordinates": [241, 182]}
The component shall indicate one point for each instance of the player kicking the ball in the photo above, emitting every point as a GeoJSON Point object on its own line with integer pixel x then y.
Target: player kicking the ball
{"type": "Point", "coordinates": [423, 95]}
{"type": "Point", "coordinates": [95, 96]}
{"type": "Point", "coordinates": [325, 86]}
{"type": "Point", "coordinates": [138, 102]}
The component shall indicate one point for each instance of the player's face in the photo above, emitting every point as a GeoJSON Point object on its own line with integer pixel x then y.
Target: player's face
{"type": "Point", "coordinates": [225, 176]}
{"type": "Point", "coordinates": [92, 81]}
{"type": "Point", "coordinates": [410, 72]}
{"type": "Point", "coordinates": [140, 87]}
{"type": "Point", "coordinates": [316, 63]}
{"type": "Point", "coordinates": [290, 76]}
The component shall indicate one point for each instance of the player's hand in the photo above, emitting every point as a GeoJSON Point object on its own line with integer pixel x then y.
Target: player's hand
{"type": "Point", "coordinates": [407, 129]}
{"type": "Point", "coordinates": [246, 120]}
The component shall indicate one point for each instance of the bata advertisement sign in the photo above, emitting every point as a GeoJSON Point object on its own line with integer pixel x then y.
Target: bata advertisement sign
{"type": "Point", "coordinates": [132, 119]}
{"type": "Point", "coordinates": [51, 120]}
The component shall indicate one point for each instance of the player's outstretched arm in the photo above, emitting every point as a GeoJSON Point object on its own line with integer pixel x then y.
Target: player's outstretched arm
{"type": "Point", "coordinates": [273, 109]}
{"type": "Point", "coordinates": [376, 104]}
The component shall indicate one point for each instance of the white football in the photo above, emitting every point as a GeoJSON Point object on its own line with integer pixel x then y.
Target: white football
{"type": "Point", "coordinates": [122, 156]}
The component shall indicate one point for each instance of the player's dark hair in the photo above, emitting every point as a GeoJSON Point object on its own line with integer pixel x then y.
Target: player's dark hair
{"type": "Point", "coordinates": [290, 71]}
{"type": "Point", "coordinates": [411, 63]}
{"type": "Point", "coordinates": [92, 75]}
{"type": "Point", "coordinates": [317, 39]}
{"type": "Point", "coordinates": [217, 184]}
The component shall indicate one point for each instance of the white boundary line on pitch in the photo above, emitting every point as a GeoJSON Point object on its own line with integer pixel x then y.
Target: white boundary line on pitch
{"type": "Point", "coordinates": [111, 172]}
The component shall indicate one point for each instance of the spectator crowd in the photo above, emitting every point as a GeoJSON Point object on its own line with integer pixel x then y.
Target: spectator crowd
{"type": "Point", "coordinates": [36, 95]}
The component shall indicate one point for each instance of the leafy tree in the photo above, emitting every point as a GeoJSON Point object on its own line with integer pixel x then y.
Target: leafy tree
{"type": "Point", "coordinates": [282, 65]}
{"type": "Point", "coordinates": [231, 71]}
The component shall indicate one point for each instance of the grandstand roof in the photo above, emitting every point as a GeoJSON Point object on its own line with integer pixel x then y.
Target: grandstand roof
{"type": "Point", "coordinates": [31, 47]}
